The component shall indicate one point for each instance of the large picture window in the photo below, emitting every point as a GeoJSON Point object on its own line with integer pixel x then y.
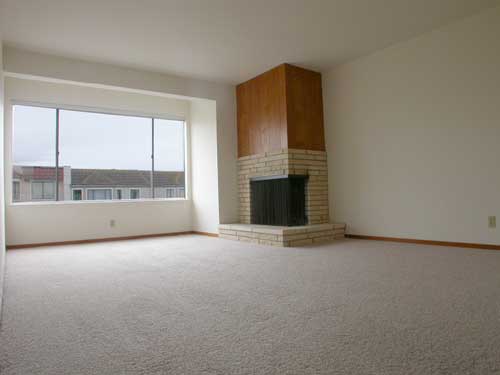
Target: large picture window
{"type": "Point", "coordinates": [91, 155]}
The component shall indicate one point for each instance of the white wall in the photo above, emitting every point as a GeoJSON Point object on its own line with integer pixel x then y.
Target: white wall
{"type": "Point", "coordinates": [63, 221]}
{"type": "Point", "coordinates": [2, 203]}
{"type": "Point", "coordinates": [79, 221]}
{"type": "Point", "coordinates": [30, 63]}
{"type": "Point", "coordinates": [204, 166]}
{"type": "Point", "coordinates": [413, 136]}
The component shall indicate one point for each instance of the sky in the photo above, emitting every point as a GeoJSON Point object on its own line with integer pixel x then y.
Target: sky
{"type": "Point", "coordinates": [94, 140]}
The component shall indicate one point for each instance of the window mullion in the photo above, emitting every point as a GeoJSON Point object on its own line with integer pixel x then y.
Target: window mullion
{"type": "Point", "coordinates": [152, 158]}
{"type": "Point", "coordinates": [57, 155]}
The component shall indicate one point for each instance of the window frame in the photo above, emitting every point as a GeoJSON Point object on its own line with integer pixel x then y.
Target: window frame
{"type": "Point", "coordinates": [105, 111]}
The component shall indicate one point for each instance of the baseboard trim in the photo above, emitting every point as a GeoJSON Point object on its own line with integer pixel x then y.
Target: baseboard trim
{"type": "Point", "coordinates": [206, 234]}
{"type": "Point", "coordinates": [110, 239]}
{"type": "Point", "coordinates": [426, 242]}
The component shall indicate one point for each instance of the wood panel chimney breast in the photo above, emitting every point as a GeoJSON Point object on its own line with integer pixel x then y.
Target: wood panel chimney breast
{"type": "Point", "coordinates": [279, 109]}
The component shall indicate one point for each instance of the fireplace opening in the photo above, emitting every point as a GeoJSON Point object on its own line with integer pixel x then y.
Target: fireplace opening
{"type": "Point", "coordinates": [278, 200]}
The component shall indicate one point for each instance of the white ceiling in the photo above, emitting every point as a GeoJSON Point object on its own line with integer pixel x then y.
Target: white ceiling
{"type": "Point", "coordinates": [222, 40]}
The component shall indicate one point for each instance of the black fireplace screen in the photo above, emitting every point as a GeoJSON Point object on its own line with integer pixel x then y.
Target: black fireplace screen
{"type": "Point", "coordinates": [279, 201]}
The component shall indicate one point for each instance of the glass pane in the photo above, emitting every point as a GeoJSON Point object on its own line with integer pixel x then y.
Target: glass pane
{"type": "Point", "coordinates": [33, 151]}
{"type": "Point", "coordinates": [101, 152]}
{"type": "Point", "coordinates": [169, 175]}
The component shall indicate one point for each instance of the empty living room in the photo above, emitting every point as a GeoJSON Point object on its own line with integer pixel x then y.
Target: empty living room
{"type": "Point", "coordinates": [253, 187]}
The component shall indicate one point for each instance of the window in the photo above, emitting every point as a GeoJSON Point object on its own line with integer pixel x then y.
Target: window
{"type": "Point", "coordinates": [77, 194]}
{"type": "Point", "coordinates": [102, 154]}
{"type": "Point", "coordinates": [98, 194]}
{"type": "Point", "coordinates": [34, 152]}
{"type": "Point", "coordinates": [16, 191]}
{"type": "Point", "coordinates": [169, 157]}
{"type": "Point", "coordinates": [43, 190]}
{"type": "Point", "coordinates": [134, 193]}
{"type": "Point", "coordinates": [118, 194]}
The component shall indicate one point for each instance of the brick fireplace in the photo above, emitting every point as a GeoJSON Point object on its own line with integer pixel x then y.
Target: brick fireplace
{"type": "Point", "coordinates": [286, 162]}
{"type": "Point", "coordinates": [281, 136]}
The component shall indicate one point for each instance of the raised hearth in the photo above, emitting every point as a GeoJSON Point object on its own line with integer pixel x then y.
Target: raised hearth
{"type": "Point", "coordinates": [280, 235]}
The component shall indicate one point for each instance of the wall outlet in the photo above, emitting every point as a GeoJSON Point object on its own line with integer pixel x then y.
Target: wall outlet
{"type": "Point", "coordinates": [112, 223]}
{"type": "Point", "coordinates": [492, 221]}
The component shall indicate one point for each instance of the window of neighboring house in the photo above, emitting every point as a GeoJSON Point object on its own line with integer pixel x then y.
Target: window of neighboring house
{"type": "Point", "coordinates": [77, 194]}
{"type": "Point", "coordinates": [134, 193]}
{"type": "Point", "coordinates": [175, 192]}
{"type": "Point", "coordinates": [118, 194]}
{"type": "Point", "coordinates": [171, 192]}
{"type": "Point", "coordinates": [16, 191]}
{"type": "Point", "coordinates": [95, 149]}
{"type": "Point", "coordinates": [99, 194]}
{"type": "Point", "coordinates": [43, 190]}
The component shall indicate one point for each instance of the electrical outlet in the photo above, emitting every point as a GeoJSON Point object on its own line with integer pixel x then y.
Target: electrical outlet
{"type": "Point", "coordinates": [112, 223]}
{"type": "Point", "coordinates": [492, 221]}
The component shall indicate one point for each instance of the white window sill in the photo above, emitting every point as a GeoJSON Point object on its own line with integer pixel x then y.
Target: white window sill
{"type": "Point", "coordinates": [106, 201]}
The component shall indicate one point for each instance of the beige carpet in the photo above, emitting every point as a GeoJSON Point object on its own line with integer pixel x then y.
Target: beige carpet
{"type": "Point", "coordinates": [199, 305]}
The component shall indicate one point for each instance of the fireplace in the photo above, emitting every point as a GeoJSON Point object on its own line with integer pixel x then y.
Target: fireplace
{"type": "Point", "coordinates": [278, 200]}
{"type": "Point", "coordinates": [282, 161]}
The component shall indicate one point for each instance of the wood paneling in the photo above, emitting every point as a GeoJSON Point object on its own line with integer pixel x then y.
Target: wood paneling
{"type": "Point", "coordinates": [426, 242]}
{"type": "Point", "coordinates": [281, 108]}
{"type": "Point", "coordinates": [304, 100]}
{"type": "Point", "coordinates": [262, 113]}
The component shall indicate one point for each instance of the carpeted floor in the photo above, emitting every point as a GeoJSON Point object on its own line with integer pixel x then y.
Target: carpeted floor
{"type": "Point", "coordinates": [199, 305]}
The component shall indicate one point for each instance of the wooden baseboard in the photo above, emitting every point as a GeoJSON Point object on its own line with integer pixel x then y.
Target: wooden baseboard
{"type": "Point", "coordinates": [206, 234]}
{"type": "Point", "coordinates": [426, 242]}
{"type": "Point", "coordinates": [111, 239]}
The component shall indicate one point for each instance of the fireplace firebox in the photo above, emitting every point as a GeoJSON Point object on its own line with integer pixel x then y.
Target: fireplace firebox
{"type": "Point", "coordinates": [278, 200]}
